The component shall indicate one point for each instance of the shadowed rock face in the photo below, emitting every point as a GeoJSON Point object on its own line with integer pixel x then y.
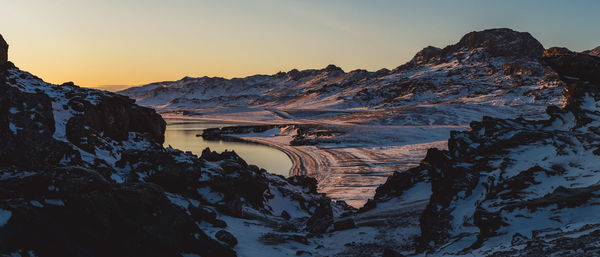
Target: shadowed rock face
{"type": "Point", "coordinates": [3, 51]}
{"type": "Point", "coordinates": [573, 66]}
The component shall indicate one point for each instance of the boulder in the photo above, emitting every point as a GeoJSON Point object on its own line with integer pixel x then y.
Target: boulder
{"type": "Point", "coordinates": [285, 215]}
{"type": "Point", "coordinates": [322, 219]}
{"type": "Point", "coordinates": [226, 237]}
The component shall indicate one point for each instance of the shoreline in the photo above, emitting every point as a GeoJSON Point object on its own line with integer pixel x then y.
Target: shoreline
{"type": "Point", "coordinates": [296, 169]}
{"type": "Point", "coordinates": [364, 158]}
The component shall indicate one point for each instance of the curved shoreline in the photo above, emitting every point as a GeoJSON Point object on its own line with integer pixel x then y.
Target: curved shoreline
{"type": "Point", "coordinates": [298, 167]}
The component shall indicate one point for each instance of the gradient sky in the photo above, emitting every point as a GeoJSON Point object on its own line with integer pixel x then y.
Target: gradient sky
{"type": "Point", "coordinates": [132, 42]}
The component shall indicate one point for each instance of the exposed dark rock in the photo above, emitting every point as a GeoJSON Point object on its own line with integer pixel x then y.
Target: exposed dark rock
{"type": "Point", "coordinates": [332, 68]}
{"type": "Point", "coordinates": [114, 117]}
{"type": "Point", "coordinates": [285, 215]}
{"type": "Point", "coordinates": [202, 214]}
{"type": "Point", "coordinates": [304, 181]}
{"type": "Point", "coordinates": [31, 144]}
{"type": "Point", "coordinates": [226, 237]}
{"type": "Point", "coordinates": [396, 184]}
{"type": "Point", "coordinates": [275, 238]}
{"type": "Point", "coordinates": [213, 156]}
{"type": "Point", "coordinates": [287, 227]}
{"type": "Point", "coordinates": [322, 219]}
{"type": "Point", "coordinates": [427, 55]}
{"type": "Point", "coordinates": [369, 205]}
{"type": "Point", "coordinates": [344, 224]}
{"type": "Point", "coordinates": [3, 51]}
{"type": "Point", "coordinates": [496, 43]}
{"type": "Point", "coordinates": [500, 42]}
{"type": "Point", "coordinates": [571, 66]}
{"type": "Point", "coordinates": [79, 213]}
{"type": "Point", "coordinates": [389, 252]}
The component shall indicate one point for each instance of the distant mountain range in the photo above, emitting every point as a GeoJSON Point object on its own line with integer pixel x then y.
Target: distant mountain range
{"type": "Point", "coordinates": [496, 67]}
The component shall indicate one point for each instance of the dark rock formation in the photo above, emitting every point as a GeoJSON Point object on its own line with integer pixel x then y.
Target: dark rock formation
{"type": "Point", "coordinates": [321, 220]}
{"type": "Point", "coordinates": [115, 117]}
{"type": "Point", "coordinates": [572, 66]}
{"type": "Point", "coordinates": [495, 43]}
{"type": "Point", "coordinates": [3, 51]}
{"type": "Point", "coordinates": [426, 55]}
{"type": "Point", "coordinates": [388, 252]}
{"type": "Point", "coordinates": [72, 211]}
{"type": "Point", "coordinates": [226, 237]}
{"type": "Point", "coordinates": [344, 224]}
{"type": "Point", "coordinates": [304, 181]}
{"type": "Point", "coordinates": [275, 238]}
{"type": "Point", "coordinates": [500, 42]}
{"type": "Point", "coordinates": [25, 143]}
{"type": "Point", "coordinates": [332, 68]}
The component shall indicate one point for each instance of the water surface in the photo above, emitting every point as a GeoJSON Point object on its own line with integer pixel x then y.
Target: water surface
{"type": "Point", "coordinates": [181, 134]}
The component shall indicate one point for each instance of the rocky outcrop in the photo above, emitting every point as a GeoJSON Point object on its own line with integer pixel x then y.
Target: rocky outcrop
{"type": "Point", "coordinates": [73, 211]}
{"type": "Point", "coordinates": [427, 55]}
{"type": "Point", "coordinates": [508, 185]}
{"type": "Point", "coordinates": [573, 67]}
{"type": "Point", "coordinates": [3, 51]}
{"type": "Point", "coordinates": [500, 42]}
{"type": "Point", "coordinates": [27, 130]}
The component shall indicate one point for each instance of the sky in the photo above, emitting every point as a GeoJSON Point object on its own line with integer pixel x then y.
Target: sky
{"type": "Point", "coordinates": [134, 42]}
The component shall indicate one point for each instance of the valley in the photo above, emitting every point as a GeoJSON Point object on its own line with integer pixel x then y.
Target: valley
{"type": "Point", "coordinates": [487, 147]}
{"type": "Point", "coordinates": [362, 126]}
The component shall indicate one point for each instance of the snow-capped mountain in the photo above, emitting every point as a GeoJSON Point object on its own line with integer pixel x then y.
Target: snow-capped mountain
{"type": "Point", "coordinates": [496, 68]}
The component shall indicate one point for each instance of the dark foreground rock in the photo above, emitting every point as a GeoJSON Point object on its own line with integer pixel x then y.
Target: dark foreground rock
{"type": "Point", "coordinates": [73, 211]}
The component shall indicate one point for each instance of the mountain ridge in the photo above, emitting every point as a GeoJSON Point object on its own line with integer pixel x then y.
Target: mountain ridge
{"type": "Point", "coordinates": [473, 72]}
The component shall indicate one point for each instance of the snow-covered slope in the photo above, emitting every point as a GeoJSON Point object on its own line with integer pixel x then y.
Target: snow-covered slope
{"type": "Point", "coordinates": [514, 187]}
{"type": "Point", "coordinates": [496, 67]}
